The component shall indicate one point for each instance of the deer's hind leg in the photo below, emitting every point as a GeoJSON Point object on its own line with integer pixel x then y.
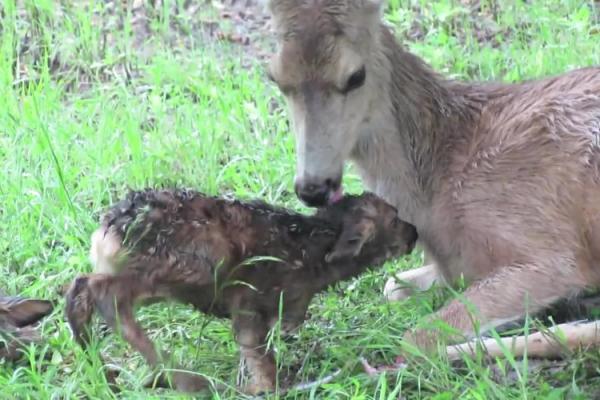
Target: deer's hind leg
{"type": "Point", "coordinates": [506, 295]}
{"type": "Point", "coordinates": [114, 298]}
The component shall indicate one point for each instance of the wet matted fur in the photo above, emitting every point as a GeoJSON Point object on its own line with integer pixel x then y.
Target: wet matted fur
{"type": "Point", "coordinates": [229, 259]}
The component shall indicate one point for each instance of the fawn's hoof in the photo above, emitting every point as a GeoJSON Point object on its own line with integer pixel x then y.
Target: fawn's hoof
{"type": "Point", "coordinates": [257, 389]}
{"type": "Point", "coordinates": [188, 382]}
{"type": "Point", "coordinates": [182, 381]}
{"type": "Point", "coordinates": [257, 385]}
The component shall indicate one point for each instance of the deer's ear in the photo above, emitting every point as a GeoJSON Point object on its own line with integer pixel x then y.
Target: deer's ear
{"type": "Point", "coordinates": [375, 5]}
{"type": "Point", "coordinates": [22, 312]}
{"type": "Point", "coordinates": [276, 6]}
{"type": "Point", "coordinates": [265, 4]}
{"type": "Point", "coordinates": [351, 240]}
{"type": "Point", "coordinates": [370, 5]}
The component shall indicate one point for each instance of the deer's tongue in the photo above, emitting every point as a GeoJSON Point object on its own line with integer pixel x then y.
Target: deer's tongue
{"type": "Point", "coordinates": [336, 196]}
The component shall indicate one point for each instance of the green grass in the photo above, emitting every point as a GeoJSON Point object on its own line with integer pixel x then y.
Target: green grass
{"type": "Point", "coordinates": [82, 120]}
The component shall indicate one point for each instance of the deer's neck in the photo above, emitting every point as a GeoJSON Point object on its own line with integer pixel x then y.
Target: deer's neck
{"type": "Point", "coordinates": [402, 153]}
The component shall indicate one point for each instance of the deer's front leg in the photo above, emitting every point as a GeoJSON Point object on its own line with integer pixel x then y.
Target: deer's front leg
{"type": "Point", "coordinates": [404, 284]}
{"type": "Point", "coordinates": [506, 295]}
{"type": "Point", "coordinates": [250, 331]}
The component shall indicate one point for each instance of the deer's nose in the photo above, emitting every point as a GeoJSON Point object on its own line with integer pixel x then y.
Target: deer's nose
{"type": "Point", "coordinates": [315, 193]}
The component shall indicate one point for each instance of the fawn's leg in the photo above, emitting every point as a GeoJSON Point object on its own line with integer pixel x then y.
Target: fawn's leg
{"type": "Point", "coordinates": [114, 298]}
{"type": "Point", "coordinates": [504, 296]}
{"type": "Point", "coordinates": [251, 331]}
{"type": "Point", "coordinates": [79, 308]}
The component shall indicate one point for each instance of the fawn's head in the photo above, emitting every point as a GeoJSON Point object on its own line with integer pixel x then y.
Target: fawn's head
{"type": "Point", "coordinates": [369, 225]}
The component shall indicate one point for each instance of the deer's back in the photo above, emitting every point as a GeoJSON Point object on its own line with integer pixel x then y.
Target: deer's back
{"type": "Point", "coordinates": [526, 177]}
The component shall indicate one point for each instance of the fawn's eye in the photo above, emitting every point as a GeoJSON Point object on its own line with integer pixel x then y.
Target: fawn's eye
{"type": "Point", "coordinates": [356, 80]}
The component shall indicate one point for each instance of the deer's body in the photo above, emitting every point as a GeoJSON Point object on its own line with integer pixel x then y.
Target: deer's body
{"type": "Point", "coordinates": [198, 250]}
{"type": "Point", "coordinates": [501, 180]}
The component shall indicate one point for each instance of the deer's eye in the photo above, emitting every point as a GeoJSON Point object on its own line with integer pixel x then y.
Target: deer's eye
{"type": "Point", "coordinates": [353, 241]}
{"type": "Point", "coordinates": [285, 89]}
{"type": "Point", "coordinates": [356, 80]}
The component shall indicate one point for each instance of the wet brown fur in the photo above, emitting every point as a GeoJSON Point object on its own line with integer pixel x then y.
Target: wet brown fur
{"type": "Point", "coordinates": [501, 180]}
{"type": "Point", "coordinates": [197, 249]}
{"type": "Point", "coordinates": [18, 317]}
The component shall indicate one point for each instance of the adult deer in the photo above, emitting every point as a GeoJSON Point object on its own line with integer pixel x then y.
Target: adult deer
{"type": "Point", "coordinates": [502, 181]}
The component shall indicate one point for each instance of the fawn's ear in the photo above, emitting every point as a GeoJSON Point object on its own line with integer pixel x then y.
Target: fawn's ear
{"type": "Point", "coordinates": [351, 240]}
{"type": "Point", "coordinates": [22, 312]}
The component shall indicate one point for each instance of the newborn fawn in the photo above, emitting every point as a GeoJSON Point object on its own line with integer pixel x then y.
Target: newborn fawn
{"type": "Point", "coordinates": [229, 259]}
